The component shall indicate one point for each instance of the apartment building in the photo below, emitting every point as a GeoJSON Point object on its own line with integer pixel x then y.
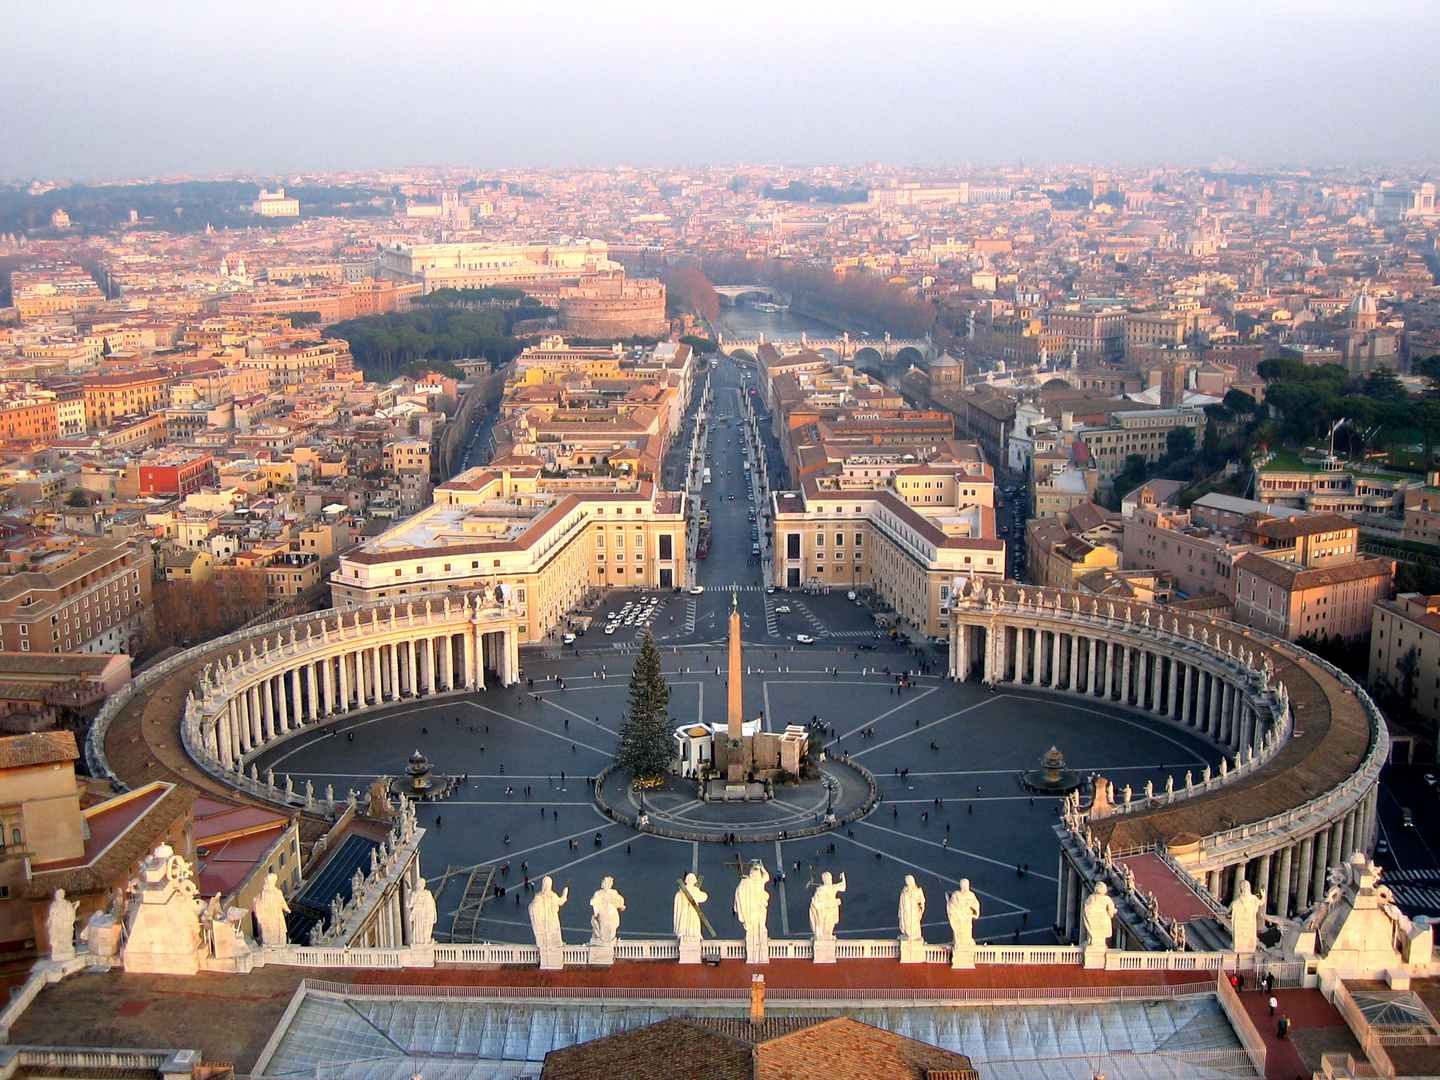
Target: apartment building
{"type": "Point", "coordinates": [1136, 431]}
{"type": "Point", "coordinates": [1309, 578]}
{"type": "Point", "coordinates": [552, 540]}
{"type": "Point", "coordinates": [1405, 650]}
{"type": "Point", "coordinates": [109, 397]}
{"type": "Point", "coordinates": [1057, 556]}
{"type": "Point", "coordinates": [1094, 335]}
{"type": "Point", "coordinates": [75, 594]}
{"type": "Point", "coordinates": [834, 533]}
{"type": "Point", "coordinates": [177, 475]}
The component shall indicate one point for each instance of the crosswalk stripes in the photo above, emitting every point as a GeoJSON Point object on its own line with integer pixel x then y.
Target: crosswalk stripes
{"type": "Point", "coordinates": [690, 607]}
{"type": "Point", "coordinates": [771, 621]}
{"type": "Point", "coordinates": [820, 629]}
{"type": "Point", "coordinates": [1411, 896]}
{"type": "Point", "coordinates": [1389, 877]}
{"type": "Point", "coordinates": [853, 634]}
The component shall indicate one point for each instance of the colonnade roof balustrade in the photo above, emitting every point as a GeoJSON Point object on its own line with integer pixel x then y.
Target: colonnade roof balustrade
{"type": "Point", "coordinates": [1332, 752]}
{"type": "Point", "coordinates": [137, 736]}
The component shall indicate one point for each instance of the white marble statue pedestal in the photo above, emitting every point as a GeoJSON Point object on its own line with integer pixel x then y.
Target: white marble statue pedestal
{"type": "Point", "coordinates": [962, 956]}
{"type": "Point", "coordinates": [757, 952]}
{"type": "Point", "coordinates": [690, 952]}
{"type": "Point", "coordinates": [1093, 959]}
{"type": "Point", "coordinates": [824, 951]}
{"type": "Point", "coordinates": [602, 954]}
{"type": "Point", "coordinates": [552, 959]}
{"type": "Point", "coordinates": [912, 952]}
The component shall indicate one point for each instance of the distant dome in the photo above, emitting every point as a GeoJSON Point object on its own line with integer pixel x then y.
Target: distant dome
{"type": "Point", "coordinates": [1363, 304]}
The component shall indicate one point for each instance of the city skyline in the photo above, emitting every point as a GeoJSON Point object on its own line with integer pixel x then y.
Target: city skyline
{"type": "Point", "coordinates": [112, 91]}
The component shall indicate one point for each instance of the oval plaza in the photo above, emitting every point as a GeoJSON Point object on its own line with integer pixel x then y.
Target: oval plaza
{"type": "Point", "coordinates": [1252, 861]}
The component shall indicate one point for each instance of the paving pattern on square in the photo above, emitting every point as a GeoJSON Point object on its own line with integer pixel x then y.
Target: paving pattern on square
{"type": "Point", "coordinates": [957, 812]}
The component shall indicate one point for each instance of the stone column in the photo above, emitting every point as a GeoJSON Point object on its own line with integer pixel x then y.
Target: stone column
{"type": "Point", "coordinates": [1304, 873]}
{"type": "Point", "coordinates": [1187, 696]}
{"type": "Point", "coordinates": [412, 683]}
{"type": "Point", "coordinates": [267, 709]}
{"type": "Point", "coordinates": [432, 680]}
{"type": "Point", "coordinates": [1216, 697]}
{"type": "Point", "coordinates": [1262, 879]}
{"type": "Point", "coordinates": [1072, 888]}
{"type": "Point", "coordinates": [327, 686]}
{"type": "Point", "coordinates": [1073, 643]}
{"type": "Point", "coordinates": [252, 704]}
{"type": "Point", "coordinates": [1125, 676]}
{"type": "Point", "coordinates": [1157, 681]}
{"type": "Point", "coordinates": [236, 725]}
{"type": "Point", "coordinates": [312, 690]}
{"type": "Point", "coordinates": [1172, 705]}
{"type": "Point", "coordinates": [1227, 694]}
{"type": "Point", "coordinates": [1282, 882]}
{"type": "Point", "coordinates": [468, 653]}
{"type": "Point", "coordinates": [343, 661]}
{"type": "Point", "coordinates": [1060, 883]}
{"type": "Point", "coordinates": [1347, 842]}
{"type": "Point", "coordinates": [1321, 864]}
{"type": "Point", "coordinates": [282, 704]}
{"type": "Point", "coordinates": [1212, 883]}
{"type": "Point", "coordinates": [1112, 669]}
{"type": "Point", "coordinates": [1202, 702]}
{"type": "Point", "coordinates": [394, 667]}
{"type": "Point", "coordinates": [447, 660]}
{"type": "Point", "coordinates": [1020, 654]}
{"type": "Point", "coordinates": [1054, 660]}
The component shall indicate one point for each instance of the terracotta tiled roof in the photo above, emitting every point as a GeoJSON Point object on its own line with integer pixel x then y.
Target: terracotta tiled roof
{"type": "Point", "coordinates": [115, 862]}
{"type": "Point", "coordinates": [1309, 525]}
{"type": "Point", "coordinates": [775, 1049]}
{"type": "Point", "coordinates": [40, 748]}
{"type": "Point", "coordinates": [1291, 577]}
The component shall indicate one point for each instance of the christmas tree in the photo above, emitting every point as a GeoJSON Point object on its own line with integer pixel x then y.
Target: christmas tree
{"type": "Point", "coordinates": [646, 746]}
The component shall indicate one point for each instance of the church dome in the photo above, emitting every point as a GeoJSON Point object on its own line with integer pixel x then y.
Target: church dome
{"type": "Point", "coordinates": [1363, 304]}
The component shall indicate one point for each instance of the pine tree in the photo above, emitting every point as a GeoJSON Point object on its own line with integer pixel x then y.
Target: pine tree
{"type": "Point", "coordinates": [647, 746]}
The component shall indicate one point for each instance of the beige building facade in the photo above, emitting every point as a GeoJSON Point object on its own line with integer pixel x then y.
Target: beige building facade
{"type": "Point", "coordinates": [551, 540]}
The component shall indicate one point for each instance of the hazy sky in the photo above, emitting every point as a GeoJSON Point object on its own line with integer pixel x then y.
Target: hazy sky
{"type": "Point", "coordinates": [96, 89]}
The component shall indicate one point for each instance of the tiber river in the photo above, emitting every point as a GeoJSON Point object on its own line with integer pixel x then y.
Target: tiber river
{"type": "Point", "coordinates": [744, 323]}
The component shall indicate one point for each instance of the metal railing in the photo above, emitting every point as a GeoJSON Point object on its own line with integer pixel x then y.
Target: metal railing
{"type": "Point", "coordinates": [936, 995]}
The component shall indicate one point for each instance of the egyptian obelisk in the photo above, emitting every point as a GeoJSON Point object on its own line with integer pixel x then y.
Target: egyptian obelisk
{"type": "Point", "coordinates": [735, 712]}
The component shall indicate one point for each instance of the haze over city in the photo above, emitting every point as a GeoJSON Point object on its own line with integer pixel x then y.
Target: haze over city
{"type": "Point", "coordinates": [111, 90]}
{"type": "Point", "coordinates": [469, 470]}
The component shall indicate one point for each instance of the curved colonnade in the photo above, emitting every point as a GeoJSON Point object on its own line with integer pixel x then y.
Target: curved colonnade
{"type": "Point", "coordinates": [1303, 742]}
{"type": "Point", "coordinates": [244, 692]}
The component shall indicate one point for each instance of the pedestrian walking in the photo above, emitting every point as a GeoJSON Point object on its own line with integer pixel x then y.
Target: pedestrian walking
{"type": "Point", "coordinates": [1282, 1029]}
{"type": "Point", "coordinates": [1272, 1004]}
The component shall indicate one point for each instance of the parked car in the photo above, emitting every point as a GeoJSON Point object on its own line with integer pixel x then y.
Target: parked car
{"type": "Point", "coordinates": [697, 590]}
{"type": "Point", "coordinates": [782, 609]}
{"type": "Point", "coordinates": [805, 639]}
